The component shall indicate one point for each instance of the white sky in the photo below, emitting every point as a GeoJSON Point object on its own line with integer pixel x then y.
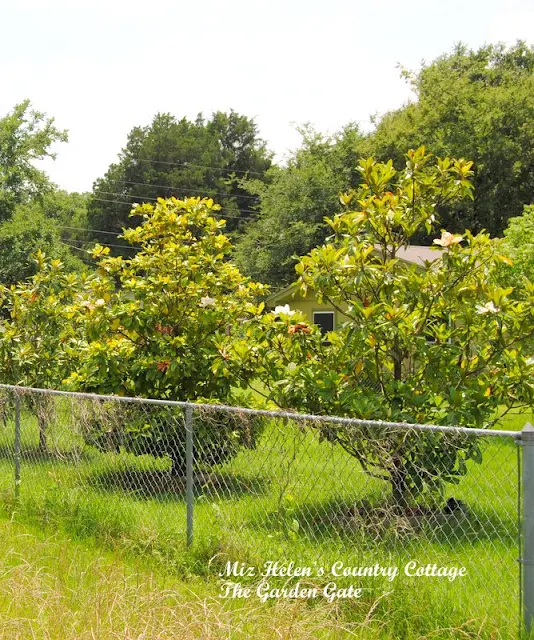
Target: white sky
{"type": "Point", "coordinates": [101, 67]}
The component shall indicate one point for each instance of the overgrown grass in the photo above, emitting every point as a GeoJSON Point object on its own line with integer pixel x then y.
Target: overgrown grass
{"type": "Point", "coordinates": [51, 587]}
{"type": "Point", "coordinates": [293, 498]}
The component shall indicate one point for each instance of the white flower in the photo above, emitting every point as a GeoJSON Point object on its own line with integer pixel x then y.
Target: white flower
{"type": "Point", "coordinates": [448, 239]}
{"type": "Point", "coordinates": [284, 309]}
{"type": "Point", "coordinates": [100, 302]}
{"type": "Point", "coordinates": [489, 307]}
{"type": "Point", "coordinates": [206, 301]}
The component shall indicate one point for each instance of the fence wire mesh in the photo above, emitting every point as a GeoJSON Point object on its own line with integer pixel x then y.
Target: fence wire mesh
{"type": "Point", "coordinates": [355, 506]}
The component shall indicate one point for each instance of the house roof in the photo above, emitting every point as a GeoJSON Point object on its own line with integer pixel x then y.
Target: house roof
{"type": "Point", "coordinates": [416, 254]}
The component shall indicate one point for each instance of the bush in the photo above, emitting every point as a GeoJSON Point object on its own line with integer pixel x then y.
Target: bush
{"type": "Point", "coordinates": [160, 431]}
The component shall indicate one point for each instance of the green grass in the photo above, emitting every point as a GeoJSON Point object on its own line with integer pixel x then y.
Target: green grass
{"type": "Point", "coordinates": [290, 499]}
{"type": "Point", "coordinates": [52, 587]}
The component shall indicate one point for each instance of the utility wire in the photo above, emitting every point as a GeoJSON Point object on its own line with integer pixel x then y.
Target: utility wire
{"type": "Point", "coordinates": [134, 197]}
{"type": "Point", "coordinates": [230, 216]}
{"type": "Point", "coordinates": [111, 233]}
{"type": "Point", "coordinates": [199, 166]}
{"type": "Point", "coordinates": [179, 187]}
{"type": "Point", "coordinates": [221, 169]}
{"type": "Point", "coordinates": [105, 244]}
{"type": "Point", "coordinates": [85, 260]}
{"type": "Point", "coordinates": [195, 193]}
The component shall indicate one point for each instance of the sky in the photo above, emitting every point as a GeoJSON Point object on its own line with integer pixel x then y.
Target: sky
{"type": "Point", "coordinates": [101, 67]}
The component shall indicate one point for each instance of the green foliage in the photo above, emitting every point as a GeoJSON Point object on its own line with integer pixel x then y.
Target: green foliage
{"type": "Point", "coordinates": [180, 158]}
{"type": "Point", "coordinates": [470, 104]}
{"type": "Point", "coordinates": [29, 231]}
{"type": "Point", "coordinates": [37, 330]}
{"type": "Point", "coordinates": [439, 344]}
{"type": "Point", "coordinates": [38, 326]}
{"type": "Point", "coordinates": [518, 245]}
{"type": "Point", "coordinates": [293, 204]}
{"type": "Point", "coordinates": [25, 136]}
{"type": "Point", "coordinates": [69, 211]}
{"type": "Point", "coordinates": [153, 322]}
{"type": "Point", "coordinates": [478, 105]}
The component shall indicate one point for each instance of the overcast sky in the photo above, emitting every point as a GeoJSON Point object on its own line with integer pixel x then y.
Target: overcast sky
{"type": "Point", "coordinates": [101, 67]}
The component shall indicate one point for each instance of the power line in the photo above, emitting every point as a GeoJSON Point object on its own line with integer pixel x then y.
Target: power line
{"type": "Point", "coordinates": [115, 201]}
{"type": "Point", "coordinates": [136, 197]}
{"type": "Point", "coordinates": [200, 166]}
{"type": "Point", "coordinates": [72, 246]}
{"type": "Point", "coordinates": [105, 244]}
{"type": "Point", "coordinates": [193, 193]}
{"type": "Point", "coordinates": [178, 187]}
{"type": "Point", "coordinates": [221, 169]}
{"type": "Point", "coordinates": [83, 259]}
{"type": "Point", "coordinates": [112, 233]}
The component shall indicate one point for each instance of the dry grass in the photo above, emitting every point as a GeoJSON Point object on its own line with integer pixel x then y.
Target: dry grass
{"type": "Point", "coordinates": [53, 588]}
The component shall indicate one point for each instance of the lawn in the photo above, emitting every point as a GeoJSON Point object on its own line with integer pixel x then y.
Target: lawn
{"type": "Point", "coordinates": [292, 498]}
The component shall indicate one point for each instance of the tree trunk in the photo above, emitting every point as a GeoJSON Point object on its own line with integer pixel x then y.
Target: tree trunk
{"type": "Point", "coordinates": [397, 361]}
{"type": "Point", "coordinates": [397, 369]}
{"type": "Point", "coordinates": [41, 421]}
{"type": "Point", "coordinates": [400, 488]}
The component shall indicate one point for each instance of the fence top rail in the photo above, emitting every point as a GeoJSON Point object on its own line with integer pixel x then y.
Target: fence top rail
{"type": "Point", "coordinates": [292, 415]}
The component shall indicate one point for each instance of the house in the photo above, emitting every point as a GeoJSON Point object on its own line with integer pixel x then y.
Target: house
{"type": "Point", "coordinates": [324, 314]}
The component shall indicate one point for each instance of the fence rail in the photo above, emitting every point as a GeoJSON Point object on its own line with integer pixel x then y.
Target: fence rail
{"type": "Point", "coordinates": [233, 489]}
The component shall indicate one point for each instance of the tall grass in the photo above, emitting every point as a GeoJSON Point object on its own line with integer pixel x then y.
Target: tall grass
{"type": "Point", "coordinates": [293, 498]}
{"type": "Point", "coordinates": [54, 588]}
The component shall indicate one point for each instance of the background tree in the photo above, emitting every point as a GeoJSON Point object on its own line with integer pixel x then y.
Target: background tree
{"type": "Point", "coordinates": [27, 232]}
{"type": "Point", "coordinates": [477, 105]}
{"type": "Point", "coordinates": [69, 211]}
{"type": "Point", "coordinates": [180, 158]}
{"type": "Point", "coordinates": [294, 202]}
{"type": "Point", "coordinates": [442, 344]}
{"type": "Point", "coordinates": [25, 136]}
{"type": "Point", "coordinates": [518, 245]}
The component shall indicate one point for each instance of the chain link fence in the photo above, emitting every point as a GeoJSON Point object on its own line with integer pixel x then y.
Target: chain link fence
{"type": "Point", "coordinates": [344, 510]}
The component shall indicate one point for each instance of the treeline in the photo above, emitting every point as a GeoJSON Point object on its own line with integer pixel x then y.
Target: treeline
{"type": "Point", "coordinates": [477, 105]}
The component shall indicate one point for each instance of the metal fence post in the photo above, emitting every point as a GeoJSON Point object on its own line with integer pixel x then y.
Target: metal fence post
{"type": "Point", "coordinates": [527, 559]}
{"type": "Point", "coordinates": [17, 446]}
{"type": "Point", "coordinates": [189, 472]}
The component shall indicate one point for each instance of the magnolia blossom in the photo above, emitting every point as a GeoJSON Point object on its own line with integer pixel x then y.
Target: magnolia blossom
{"type": "Point", "coordinates": [284, 309]}
{"type": "Point", "coordinates": [206, 301]}
{"type": "Point", "coordinates": [448, 239]}
{"type": "Point", "coordinates": [489, 307]}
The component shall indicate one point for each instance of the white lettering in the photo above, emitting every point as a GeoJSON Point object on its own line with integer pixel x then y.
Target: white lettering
{"type": "Point", "coordinates": [413, 570]}
{"type": "Point", "coordinates": [278, 570]}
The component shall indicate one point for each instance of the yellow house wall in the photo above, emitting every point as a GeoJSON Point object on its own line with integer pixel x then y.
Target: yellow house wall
{"type": "Point", "coordinates": [309, 304]}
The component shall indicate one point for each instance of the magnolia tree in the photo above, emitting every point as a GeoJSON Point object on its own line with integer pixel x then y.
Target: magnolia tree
{"type": "Point", "coordinates": [152, 324]}
{"type": "Point", "coordinates": [37, 331]}
{"type": "Point", "coordinates": [433, 344]}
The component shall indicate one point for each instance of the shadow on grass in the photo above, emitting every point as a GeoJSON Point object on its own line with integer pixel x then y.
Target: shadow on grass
{"type": "Point", "coordinates": [381, 522]}
{"type": "Point", "coordinates": [165, 486]}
